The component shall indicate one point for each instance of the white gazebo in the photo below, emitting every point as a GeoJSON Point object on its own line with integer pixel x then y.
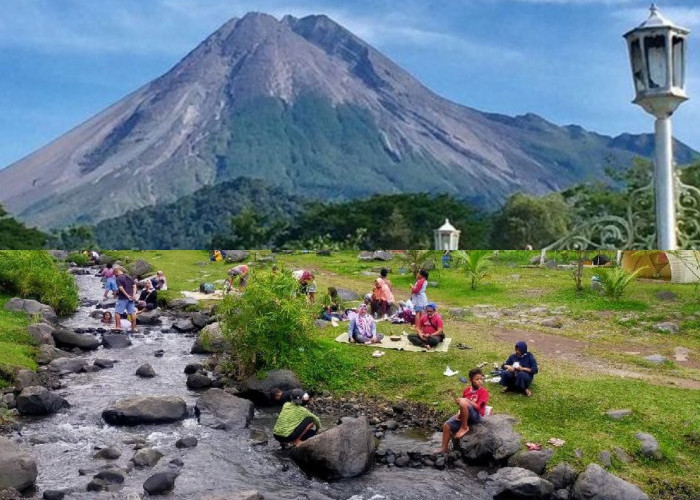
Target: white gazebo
{"type": "Point", "coordinates": [447, 237]}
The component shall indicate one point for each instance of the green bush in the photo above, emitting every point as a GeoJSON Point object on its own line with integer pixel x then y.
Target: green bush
{"type": "Point", "coordinates": [475, 264]}
{"type": "Point", "coordinates": [269, 326]}
{"type": "Point", "coordinates": [78, 258]}
{"type": "Point", "coordinates": [614, 280]}
{"type": "Point", "coordinates": [33, 274]}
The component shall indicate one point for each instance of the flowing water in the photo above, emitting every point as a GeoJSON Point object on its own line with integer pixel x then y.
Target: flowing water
{"type": "Point", "coordinates": [223, 461]}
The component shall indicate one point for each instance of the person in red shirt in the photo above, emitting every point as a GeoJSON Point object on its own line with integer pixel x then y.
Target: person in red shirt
{"type": "Point", "coordinates": [472, 406]}
{"type": "Point", "coordinates": [429, 328]}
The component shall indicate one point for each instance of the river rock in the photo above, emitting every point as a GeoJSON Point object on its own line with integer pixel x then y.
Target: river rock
{"type": "Point", "coordinates": [67, 338]}
{"type": "Point", "coordinates": [236, 255]}
{"type": "Point", "coordinates": [32, 308]}
{"type": "Point", "coordinates": [491, 440]}
{"type": "Point", "coordinates": [42, 333]}
{"type": "Point", "coordinates": [139, 268]}
{"type": "Point", "coordinates": [39, 400]}
{"type": "Point", "coordinates": [186, 442]}
{"type": "Point", "coordinates": [108, 453]}
{"type": "Point", "coordinates": [344, 451]}
{"type": "Point", "coordinates": [17, 468]}
{"type": "Point", "coordinates": [182, 303]}
{"type": "Point", "coordinates": [191, 368]}
{"type": "Point", "coordinates": [53, 495]}
{"type": "Point", "coordinates": [221, 410]}
{"type": "Point", "coordinates": [145, 371]}
{"type": "Point", "coordinates": [210, 340]}
{"type": "Point", "coordinates": [10, 400]}
{"type": "Point", "coordinates": [258, 390]}
{"type": "Point", "coordinates": [68, 365]}
{"type": "Point", "coordinates": [198, 381]}
{"type": "Point", "coordinates": [107, 304]}
{"type": "Point", "coordinates": [515, 483]}
{"type": "Point", "coordinates": [595, 483]}
{"type": "Point", "coordinates": [183, 325]}
{"type": "Point", "coordinates": [199, 320]}
{"type": "Point", "coordinates": [650, 446]}
{"type": "Point", "coordinates": [536, 460]}
{"type": "Point", "coordinates": [47, 353]}
{"type": "Point", "coordinates": [562, 476]}
{"type": "Point", "coordinates": [146, 457]}
{"type": "Point", "coordinates": [160, 482]}
{"type": "Point", "coordinates": [151, 317]}
{"type": "Point", "coordinates": [111, 476]}
{"type": "Point", "coordinates": [241, 495]}
{"type": "Point", "coordinates": [145, 410]}
{"type": "Point", "coordinates": [115, 341]}
{"type": "Point", "coordinates": [26, 378]}
{"type": "Point", "coordinates": [103, 363]}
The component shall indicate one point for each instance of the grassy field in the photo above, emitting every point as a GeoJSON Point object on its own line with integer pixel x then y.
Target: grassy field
{"type": "Point", "coordinates": [598, 363]}
{"type": "Point", "coordinates": [17, 347]}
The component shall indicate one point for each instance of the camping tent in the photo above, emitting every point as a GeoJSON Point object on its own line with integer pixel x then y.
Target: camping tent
{"type": "Point", "coordinates": [681, 266]}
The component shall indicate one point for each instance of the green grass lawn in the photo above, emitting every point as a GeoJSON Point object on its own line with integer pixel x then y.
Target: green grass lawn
{"type": "Point", "coordinates": [570, 399]}
{"type": "Point", "coordinates": [17, 347]}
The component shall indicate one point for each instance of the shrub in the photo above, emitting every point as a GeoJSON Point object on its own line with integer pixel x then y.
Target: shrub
{"type": "Point", "coordinates": [35, 275]}
{"type": "Point", "coordinates": [270, 325]}
{"type": "Point", "coordinates": [78, 258]}
{"type": "Point", "coordinates": [614, 281]}
{"type": "Point", "coordinates": [475, 264]}
{"type": "Point", "coordinates": [415, 260]}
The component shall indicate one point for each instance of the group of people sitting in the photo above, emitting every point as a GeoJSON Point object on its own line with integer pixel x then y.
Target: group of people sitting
{"type": "Point", "coordinates": [132, 296]}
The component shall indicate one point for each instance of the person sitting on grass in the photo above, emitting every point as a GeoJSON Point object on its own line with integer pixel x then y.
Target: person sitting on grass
{"type": "Point", "coordinates": [332, 305]}
{"type": "Point", "coordinates": [295, 423]}
{"type": "Point", "coordinates": [519, 370]}
{"type": "Point", "coordinates": [429, 327]}
{"type": "Point", "coordinates": [472, 406]}
{"type": "Point", "coordinates": [363, 329]}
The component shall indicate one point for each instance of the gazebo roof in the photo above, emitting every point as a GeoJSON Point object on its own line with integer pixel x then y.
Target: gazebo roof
{"type": "Point", "coordinates": [447, 227]}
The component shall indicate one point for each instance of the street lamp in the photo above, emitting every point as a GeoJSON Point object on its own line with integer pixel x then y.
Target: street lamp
{"type": "Point", "coordinates": [657, 50]}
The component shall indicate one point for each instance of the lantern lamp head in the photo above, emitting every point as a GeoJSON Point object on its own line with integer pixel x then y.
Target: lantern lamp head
{"type": "Point", "coordinates": [657, 50]}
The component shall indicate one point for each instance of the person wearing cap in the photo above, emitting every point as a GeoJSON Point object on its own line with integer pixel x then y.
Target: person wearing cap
{"type": "Point", "coordinates": [363, 328]}
{"type": "Point", "coordinates": [126, 298]}
{"type": "Point", "coordinates": [429, 327]}
{"type": "Point", "coordinates": [519, 370]}
{"type": "Point", "coordinates": [295, 423]}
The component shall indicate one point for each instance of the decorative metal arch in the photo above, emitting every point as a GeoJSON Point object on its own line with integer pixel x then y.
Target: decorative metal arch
{"type": "Point", "coordinates": [637, 231]}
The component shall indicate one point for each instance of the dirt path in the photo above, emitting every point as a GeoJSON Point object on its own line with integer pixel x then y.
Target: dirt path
{"type": "Point", "coordinates": [578, 352]}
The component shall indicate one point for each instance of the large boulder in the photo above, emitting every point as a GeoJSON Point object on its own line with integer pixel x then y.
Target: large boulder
{"type": "Point", "coordinates": [42, 333]}
{"type": "Point", "coordinates": [348, 295]}
{"type": "Point", "coordinates": [595, 483]}
{"type": "Point", "coordinates": [145, 410]}
{"type": "Point", "coordinates": [382, 255]}
{"type": "Point", "coordinates": [32, 308]}
{"type": "Point", "coordinates": [236, 255]}
{"type": "Point", "coordinates": [514, 483]}
{"type": "Point", "coordinates": [145, 371]}
{"type": "Point", "coordinates": [115, 341]}
{"type": "Point", "coordinates": [70, 339]}
{"type": "Point", "coordinates": [258, 390]}
{"type": "Point", "coordinates": [26, 378]}
{"type": "Point", "coordinates": [344, 451]}
{"type": "Point", "coordinates": [146, 457]}
{"type": "Point", "coordinates": [210, 340]}
{"type": "Point", "coordinates": [650, 446]}
{"type": "Point", "coordinates": [182, 303]}
{"type": "Point", "coordinates": [492, 440]}
{"type": "Point", "coordinates": [183, 325]}
{"type": "Point", "coordinates": [220, 410]}
{"type": "Point", "coordinates": [536, 461]}
{"type": "Point", "coordinates": [139, 269]}
{"type": "Point", "coordinates": [68, 365]}
{"type": "Point", "coordinates": [17, 468]}
{"type": "Point", "coordinates": [151, 317]}
{"type": "Point", "coordinates": [198, 381]}
{"type": "Point", "coordinates": [39, 400]}
{"type": "Point", "coordinates": [47, 353]}
{"type": "Point", "coordinates": [160, 483]}
{"type": "Point", "coordinates": [562, 476]}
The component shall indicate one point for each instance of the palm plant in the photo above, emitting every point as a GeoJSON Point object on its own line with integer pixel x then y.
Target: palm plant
{"type": "Point", "coordinates": [415, 260]}
{"type": "Point", "coordinates": [475, 264]}
{"type": "Point", "coordinates": [615, 280]}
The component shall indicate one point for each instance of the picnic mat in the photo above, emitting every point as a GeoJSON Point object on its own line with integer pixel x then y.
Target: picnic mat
{"type": "Point", "coordinates": [217, 295]}
{"type": "Point", "coordinates": [401, 345]}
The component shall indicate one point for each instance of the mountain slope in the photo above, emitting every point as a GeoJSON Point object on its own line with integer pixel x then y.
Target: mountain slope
{"type": "Point", "coordinates": [304, 105]}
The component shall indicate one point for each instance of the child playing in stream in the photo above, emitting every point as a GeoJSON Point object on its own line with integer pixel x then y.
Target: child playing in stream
{"type": "Point", "coordinates": [472, 406]}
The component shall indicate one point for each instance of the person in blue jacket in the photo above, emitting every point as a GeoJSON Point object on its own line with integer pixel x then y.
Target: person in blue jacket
{"type": "Point", "coordinates": [519, 370]}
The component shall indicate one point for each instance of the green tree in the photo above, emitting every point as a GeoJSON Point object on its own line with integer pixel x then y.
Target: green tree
{"type": "Point", "coordinates": [16, 236]}
{"type": "Point", "coordinates": [475, 264]}
{"type": "Point", "coordinates": [250, 229]}
{"type": "Point", "coordinates": [75, 238]}
{"type": "Point", "coordinates": [528, 220]}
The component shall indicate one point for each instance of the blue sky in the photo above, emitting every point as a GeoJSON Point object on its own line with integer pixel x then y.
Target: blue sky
{"type": "Point", "coordinates": [61, 61]}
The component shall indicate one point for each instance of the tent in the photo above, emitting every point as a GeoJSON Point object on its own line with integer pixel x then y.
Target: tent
{"type": "Point", "coordinates": [682, 266]}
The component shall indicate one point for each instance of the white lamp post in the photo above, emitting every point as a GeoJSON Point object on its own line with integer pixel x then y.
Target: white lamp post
{"type": "Point", "coordinates": [447, 237]}
{"type": "Point", "coordinates": [657, 50]}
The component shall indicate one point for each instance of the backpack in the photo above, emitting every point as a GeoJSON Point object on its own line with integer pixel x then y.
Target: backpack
{"type": "Point", "coordinates": [206, 287]}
